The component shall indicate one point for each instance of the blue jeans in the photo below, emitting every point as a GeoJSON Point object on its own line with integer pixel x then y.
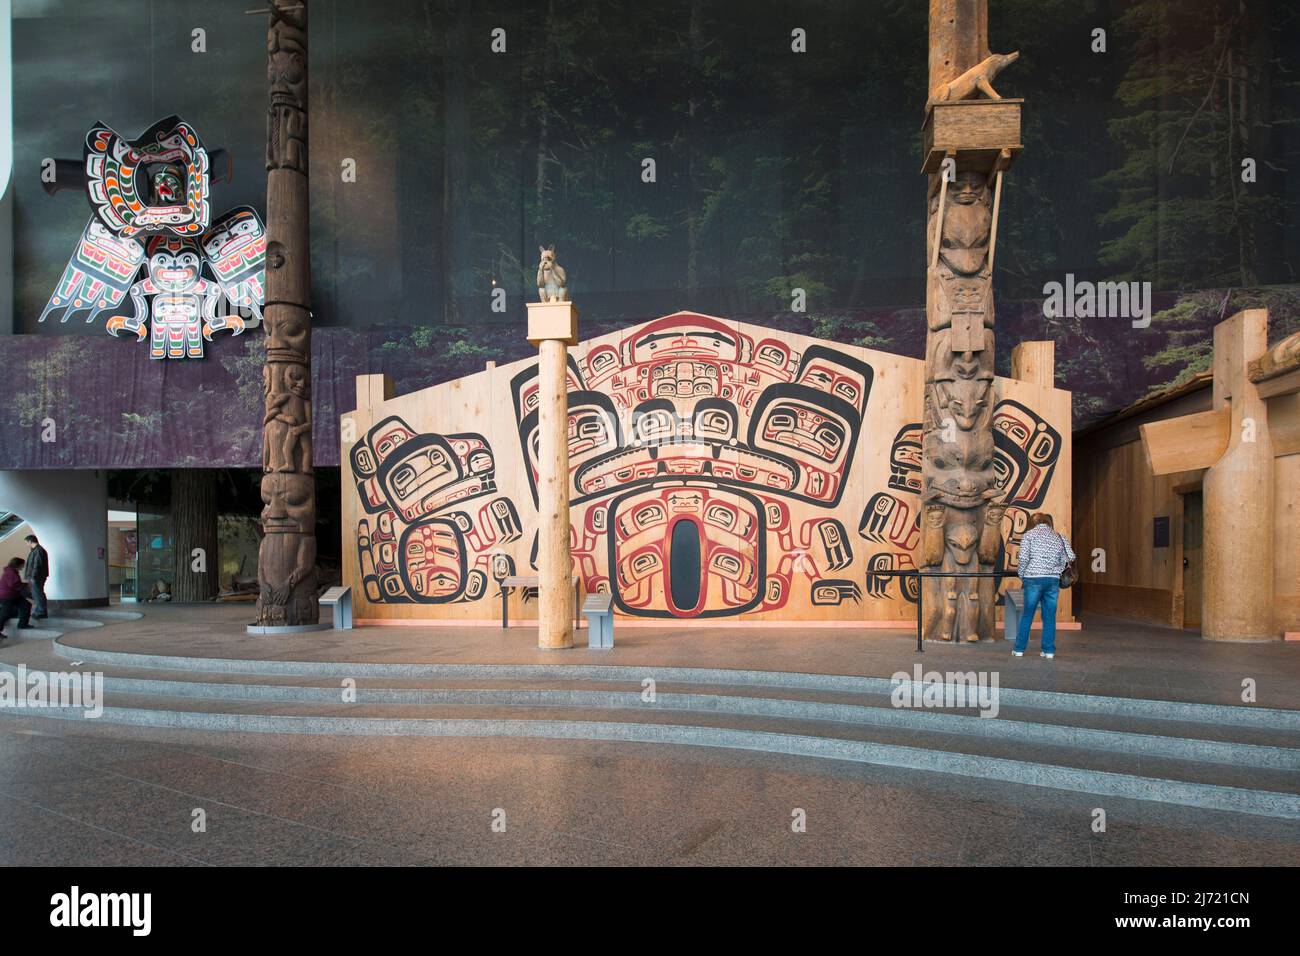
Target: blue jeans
{"type": "Point", "coordinates": [38, 598]}
{"type": "Point", "coordinates": [1038, 591]}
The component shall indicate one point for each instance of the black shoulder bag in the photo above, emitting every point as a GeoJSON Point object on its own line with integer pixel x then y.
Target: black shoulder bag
{"type": "Point", "coordinates": [1071, 573]}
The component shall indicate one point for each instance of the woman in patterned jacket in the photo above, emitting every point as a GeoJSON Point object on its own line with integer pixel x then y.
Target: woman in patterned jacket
{"type": "Point", "coordinates": [1044, 553]}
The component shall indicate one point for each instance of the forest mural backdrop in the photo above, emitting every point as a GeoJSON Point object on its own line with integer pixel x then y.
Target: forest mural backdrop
{"type": "Point", "coordinates": [438, 166]}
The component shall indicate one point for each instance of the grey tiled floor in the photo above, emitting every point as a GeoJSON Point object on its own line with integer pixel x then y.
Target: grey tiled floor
{"type": "Point", "coordinates": [91, 795]}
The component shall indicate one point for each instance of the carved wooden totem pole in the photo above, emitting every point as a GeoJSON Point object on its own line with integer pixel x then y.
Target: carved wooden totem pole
{"type": "Point", "coordinates": [971, 136]}
{"type": "Point", "coordinates": [287, 560]}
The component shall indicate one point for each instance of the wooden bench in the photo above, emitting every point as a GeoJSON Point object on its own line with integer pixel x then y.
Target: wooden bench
{"type": "Point", "coordinates": [340, 601]}
{"type": "Point", "coordinates": [599, 609]}
{"type": "Point", "coordinates": [528, 583]}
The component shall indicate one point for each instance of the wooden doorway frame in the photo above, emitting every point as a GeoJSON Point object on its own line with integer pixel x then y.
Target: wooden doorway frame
{"type": "Point", "coordinates": [1178, 608]}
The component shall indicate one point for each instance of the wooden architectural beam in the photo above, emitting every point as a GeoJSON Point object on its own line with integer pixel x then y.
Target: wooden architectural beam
{"type": "Point", "coordinates": [1188, 443]}
{"type": "Point", "coordinates": [1281, 359]}
{"type": "Point", "coordinates": [1284, 383]}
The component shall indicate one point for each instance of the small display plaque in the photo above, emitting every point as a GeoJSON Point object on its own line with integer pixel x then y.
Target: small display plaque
{"type": "Point", "coordinates": [1161, 529]}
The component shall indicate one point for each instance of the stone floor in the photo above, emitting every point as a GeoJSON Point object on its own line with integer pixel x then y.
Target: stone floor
{"type": "Point", "coordinates": [91, 795]}
{"type": "Point", "coordinates": [87, 794]}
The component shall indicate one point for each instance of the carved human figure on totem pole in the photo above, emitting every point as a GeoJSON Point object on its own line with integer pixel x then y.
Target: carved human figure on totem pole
{"type": "Point", "coordinates": [287, 422]}
{"type": "Point", "coordinates": [958, 288]}
{"type": "Point", "coordinates": [961, 531]}
{"type": "Point", "coordinates": [287, 557]}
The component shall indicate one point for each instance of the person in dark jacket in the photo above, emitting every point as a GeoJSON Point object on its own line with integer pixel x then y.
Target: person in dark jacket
{"type": "Point", "coordinates": [11, 596]}
{"type": "Point", "coordinates": [35, 573]}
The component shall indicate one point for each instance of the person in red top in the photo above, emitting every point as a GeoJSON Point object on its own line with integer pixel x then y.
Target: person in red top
{"type": "Point", "coordinates": [12, 597]}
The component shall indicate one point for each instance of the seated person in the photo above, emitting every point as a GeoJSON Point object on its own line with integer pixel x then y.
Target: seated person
{"type": "Point", "coordinates": [12, 597]}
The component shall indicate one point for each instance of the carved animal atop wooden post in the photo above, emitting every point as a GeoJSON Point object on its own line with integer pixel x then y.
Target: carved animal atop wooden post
{"type": "Point", "coordinates": [978, 79]}
{"type": "Point", "coordinates": [552, 280]}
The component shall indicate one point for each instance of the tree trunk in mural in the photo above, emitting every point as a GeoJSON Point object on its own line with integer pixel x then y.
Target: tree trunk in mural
{"type": "Point", "coordinates": [961, 528]}
{"type": "Point", "coordinates": [194, 525]}
{"type": "Point", "coordinates": [287, 561]}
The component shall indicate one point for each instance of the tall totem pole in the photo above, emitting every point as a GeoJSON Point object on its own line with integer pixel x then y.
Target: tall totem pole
{"type": "Point", "coordinates": [286, 565]}
{"type": "Point", "coordinates": [971, 136]}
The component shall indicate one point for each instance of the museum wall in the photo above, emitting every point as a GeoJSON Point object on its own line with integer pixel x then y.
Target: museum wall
{"type": "Point", "coordinates": [438, 166]}
{"type": "Point", "coordinates": [68, 512]}
{"type": "Point", "coordinates": [14, 545]}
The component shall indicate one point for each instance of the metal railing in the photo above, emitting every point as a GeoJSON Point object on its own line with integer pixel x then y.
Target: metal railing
{"type": "Point", "coordinates": [920, 591]}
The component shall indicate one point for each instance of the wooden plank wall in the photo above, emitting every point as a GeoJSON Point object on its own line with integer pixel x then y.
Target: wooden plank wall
{"type": "Point", "coordinates": [1284, 426]}
{"type": "Point", "coordinates": [438, 505]}
{"type": "Point", "coordinates": [1117, 500]}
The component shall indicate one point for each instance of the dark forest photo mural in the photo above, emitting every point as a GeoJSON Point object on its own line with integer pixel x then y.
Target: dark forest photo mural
{"type": "Point", "coordinates": [701, 175]}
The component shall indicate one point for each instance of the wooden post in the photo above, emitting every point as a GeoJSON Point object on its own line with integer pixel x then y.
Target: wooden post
{"type": "Point", "coordinates": [194, 525]}
{"type": "Point", "coordinates": [553, 327]}
{"type": "Point", "coordinates": [1238, 493]}
{"type": "Point", "coordinates": [1034, 362]}
{"type": "Point", "coordinates": [959, 38]}
{"type": "Point", "coordinates": [373, 390]}
{"type": "Point", "coordinates": [286, 565]}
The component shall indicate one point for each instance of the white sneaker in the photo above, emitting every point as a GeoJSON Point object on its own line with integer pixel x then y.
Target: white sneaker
{"type": "Point", "coordinates": [1017, 653]}
{"type": "Point", "coordinates": [1048, 656]}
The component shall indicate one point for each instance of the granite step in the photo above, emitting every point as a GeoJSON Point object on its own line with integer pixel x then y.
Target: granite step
{"type": "Point", "coordinates": [1129, 707]}
{"type": "Point", "coordinates": [1089, 729]}
{"type": "Point", "coordinates": [1226, 743]}
{"type": "Point", "coordinates": [1212, 786]}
